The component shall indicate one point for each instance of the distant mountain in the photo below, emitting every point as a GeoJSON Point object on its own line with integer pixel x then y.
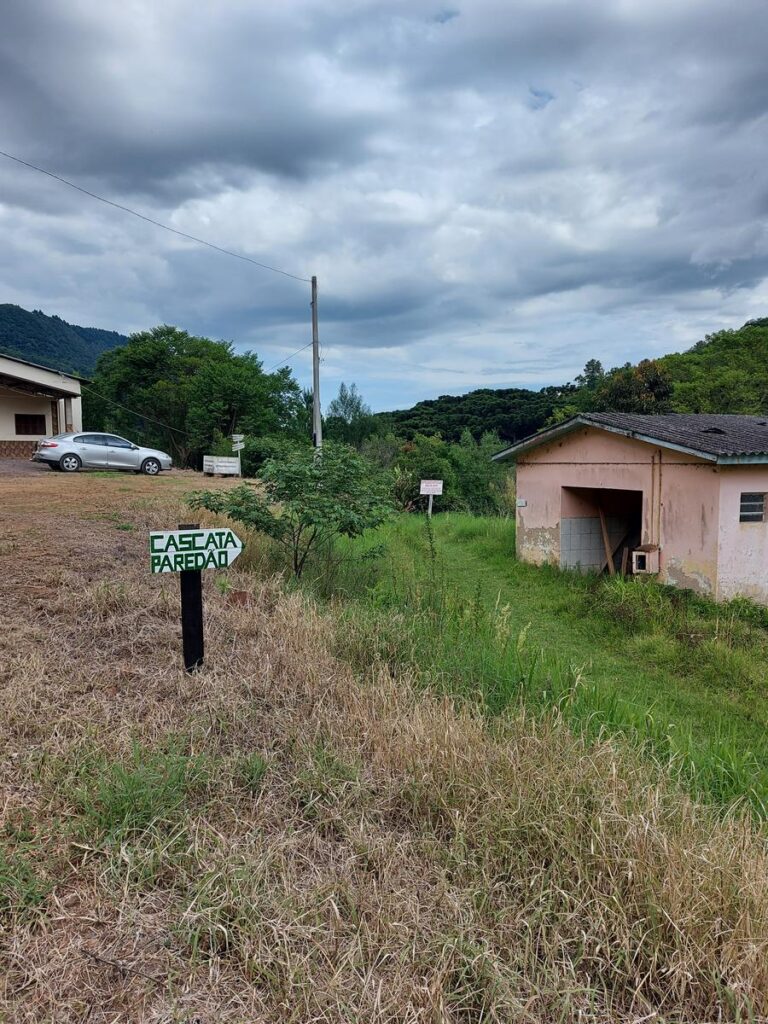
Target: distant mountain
{"type": "Point", "coordinates": [53, 342]}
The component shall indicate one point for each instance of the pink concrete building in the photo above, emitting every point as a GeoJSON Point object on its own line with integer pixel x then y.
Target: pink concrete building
{"type": "Point", "coordinates": [679, 496]}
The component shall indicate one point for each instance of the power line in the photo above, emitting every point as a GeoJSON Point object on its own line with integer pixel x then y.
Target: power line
{"type": "Point", "coordinates": [133, 412]}
{"type": "Point", "coordinates": [288, 358]}
{"type": "Point", "coordinates": [149, 220]}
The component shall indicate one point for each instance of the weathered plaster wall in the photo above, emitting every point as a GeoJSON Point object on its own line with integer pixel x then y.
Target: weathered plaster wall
{"type": "Point", "coordinates": [582, 459]}
{"type": "Point", "coordinates": [680, 504]}
{"type": "Point", "coordinates": [743, 559]}
{"type": "Point", "coordinates": [689, 523]}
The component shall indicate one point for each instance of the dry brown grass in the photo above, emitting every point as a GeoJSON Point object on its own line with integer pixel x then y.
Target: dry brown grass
{"type": "Point", "coordinates": [273, 839]}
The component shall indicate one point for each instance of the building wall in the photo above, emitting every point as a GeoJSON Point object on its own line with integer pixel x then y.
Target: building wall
{"type": "Point", "coordinates": [12, 402]}
{"type": "Point", "coordinates": [582, 459]}
{"type": "Point", "coordinates": [77, 414]}
{"type": "Point", "coordinates": [743, 561]}
{"type": "Point", "coordinates": [689, 523]}
{"type": "Point", "coordinates": [680, 500]}
{"type": "Point", "coordinates": [13, 445]}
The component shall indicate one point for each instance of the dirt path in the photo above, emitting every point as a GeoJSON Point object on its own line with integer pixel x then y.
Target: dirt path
{"type": "Point", "coordinates": [60, 533]}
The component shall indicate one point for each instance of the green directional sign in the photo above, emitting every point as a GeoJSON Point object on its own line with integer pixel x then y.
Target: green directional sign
{"type": "Point", "coordinates": [185, 550]}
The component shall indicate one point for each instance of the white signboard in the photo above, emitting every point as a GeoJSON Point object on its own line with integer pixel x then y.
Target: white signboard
{"type": "Point", "coordinates": [238, 446]}
{"type": "Point", "coordinates": [238, 437]}
{"type": "Point", "coordinates": [431, 487]}
{"type": "Point", "coordinates": [226, 465]}
{"type": "Point", "coordinates": [180, 550]}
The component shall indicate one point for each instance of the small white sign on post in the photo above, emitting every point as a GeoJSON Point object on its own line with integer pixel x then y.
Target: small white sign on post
{"type": "Point", "coordinates": [431, 487]}
{"type": "Point", "coordinates": [237, 446]}
{"type": "Point", "coordinates": [192, 550]}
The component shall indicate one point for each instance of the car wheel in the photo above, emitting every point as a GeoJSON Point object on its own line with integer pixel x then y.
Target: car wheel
{"type": "Point", "coordinates": [151, 467]}
{"type": "Point", "coordinates": [69, 463]}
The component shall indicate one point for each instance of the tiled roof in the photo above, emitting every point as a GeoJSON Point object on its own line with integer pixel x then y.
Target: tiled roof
{"type": "Point", "coordinates": [715, 437]}
{"type": "Point", "coordinates": [703, 432]}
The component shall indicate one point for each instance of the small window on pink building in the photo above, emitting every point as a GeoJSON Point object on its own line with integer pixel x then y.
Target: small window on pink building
{"type": "Point", "coordinates": [752, 508]}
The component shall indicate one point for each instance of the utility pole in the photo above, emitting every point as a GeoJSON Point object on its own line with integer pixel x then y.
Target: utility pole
{"type": "Point", "coordinates": [317, 419]}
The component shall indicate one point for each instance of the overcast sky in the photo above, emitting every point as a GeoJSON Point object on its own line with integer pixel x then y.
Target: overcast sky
{"type": "Point", "coordinates": [491, 192]}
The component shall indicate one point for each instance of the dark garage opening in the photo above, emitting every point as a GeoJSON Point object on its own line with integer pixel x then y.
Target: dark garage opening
{"type": "Point", "coordinates": [587, 515]}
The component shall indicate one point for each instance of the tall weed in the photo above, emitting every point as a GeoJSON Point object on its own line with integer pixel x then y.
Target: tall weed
{"type": "Point", "coordinates": [415, 615]}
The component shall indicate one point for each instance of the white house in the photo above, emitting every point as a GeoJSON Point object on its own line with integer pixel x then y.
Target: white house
{"type": "Point", "coordinates": [35, 402]}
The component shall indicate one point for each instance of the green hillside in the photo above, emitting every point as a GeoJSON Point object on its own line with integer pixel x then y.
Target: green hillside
{"type": "Point", "coordinates": [53, 342]}
{"type": "Point", "coordinates": [511, 412]}
{"type": "Point", "coordinates": [727, 372]}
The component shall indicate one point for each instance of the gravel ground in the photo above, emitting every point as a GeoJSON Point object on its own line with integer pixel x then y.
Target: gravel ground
{"type": "Point", "coordinates": [25, 467]}
{"type": "Point", "coordinates": [21, 467]}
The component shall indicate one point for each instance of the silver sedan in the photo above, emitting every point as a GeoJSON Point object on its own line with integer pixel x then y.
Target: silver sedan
{"type": "Point", "coordinates": [70, 452]}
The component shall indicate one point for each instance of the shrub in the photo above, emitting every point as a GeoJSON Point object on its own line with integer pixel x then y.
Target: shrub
{"type": "Point", "coordinates": [308, 499]}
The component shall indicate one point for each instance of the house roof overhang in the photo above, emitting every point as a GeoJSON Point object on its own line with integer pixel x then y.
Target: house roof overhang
{"type": "Point", "coordinates": [575, 422]}
{"type": "Point", "coordinates": [33, 379]}
{"type": "Point", "coordinates": [36, 389]}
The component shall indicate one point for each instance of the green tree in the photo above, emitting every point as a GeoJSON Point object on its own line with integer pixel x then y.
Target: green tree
{"type": "Point", "coordinates": [512, 412]}
{"type": "Point", "coordinates": [726, 372]}
{"type": "Point", "coordinates": [645, 388]}
{"type": "Point", "coordinates": [592, 375]}
{"type": "Point", "coordinates": [479, 480]}
{"type": "Point", "coordinates": [306, 499]}
{"type": "Point", "coordinates": [382, 449]}
{"type": "Point", "coordinates": [424, 458]}
{"type": "Point", "coordinates": [175, 391]}
{"type": "Point", "coordinates": [348, 418]}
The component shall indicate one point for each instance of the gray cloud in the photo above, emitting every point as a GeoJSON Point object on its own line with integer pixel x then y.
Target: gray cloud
{"type": "Point", "coordinates": [489, 193]}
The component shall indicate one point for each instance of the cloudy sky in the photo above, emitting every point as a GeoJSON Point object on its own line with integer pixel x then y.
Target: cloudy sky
{"type": "Point", "coordinates": [490, 191]}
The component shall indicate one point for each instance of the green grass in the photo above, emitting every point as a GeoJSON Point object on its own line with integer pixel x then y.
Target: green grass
{"type": "Point", "coordinates": [251, 771]}
{"type": "Point", "coordinates": [21, 886]}
{"type": "Point", "coordinates": [676, 674]}
{"type": "Point", "coordinates": [147, 791]}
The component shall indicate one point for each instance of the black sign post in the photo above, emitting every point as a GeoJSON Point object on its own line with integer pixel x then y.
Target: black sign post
{"type": "Point", "coordinates": [192, 640]}
{"type": "Point", "coordinates": [188, 551]}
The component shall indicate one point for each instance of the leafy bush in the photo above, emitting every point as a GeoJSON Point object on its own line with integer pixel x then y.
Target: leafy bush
{"type": "Point", "coordinates": [307, 499]}
{"type": "Point", "coordinates": [472, 481]}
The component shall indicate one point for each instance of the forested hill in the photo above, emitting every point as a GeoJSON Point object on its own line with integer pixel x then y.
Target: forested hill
{"type": "Point", "coordinates": [511, 412]}
{"type": "Point", "coordinates": [53, 342]}
{"type": "Point", "coordinates": [726, 372]}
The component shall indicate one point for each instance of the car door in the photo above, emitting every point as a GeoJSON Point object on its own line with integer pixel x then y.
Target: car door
{"type": "Point", "coordinates": [91, 449]}
{"type": "Point", "coordinates": [121, 454]}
